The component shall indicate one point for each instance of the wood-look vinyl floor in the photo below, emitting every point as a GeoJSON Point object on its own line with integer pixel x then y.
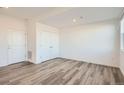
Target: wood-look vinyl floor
{"type": "Point", "coordinates": [60, 71]}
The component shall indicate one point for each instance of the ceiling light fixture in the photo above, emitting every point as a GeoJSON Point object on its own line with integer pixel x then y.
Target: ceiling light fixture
{"type": "Point", "coordinates": [74, 20]}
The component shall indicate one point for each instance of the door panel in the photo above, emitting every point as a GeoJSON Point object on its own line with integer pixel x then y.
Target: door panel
{"type": "Point", "coordinates": [47, 45]}
{"type": "Point", "coordinates": [43, 46]}
{"type": "Point", "coordinates": [16, 46]}
{"type": "Point", "coordinates": [54, 44]}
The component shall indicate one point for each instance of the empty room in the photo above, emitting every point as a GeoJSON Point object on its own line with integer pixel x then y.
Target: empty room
{"type": "Point", "coordinates": [61, 45]}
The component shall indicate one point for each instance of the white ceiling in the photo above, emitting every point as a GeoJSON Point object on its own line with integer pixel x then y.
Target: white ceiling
{"type": "Point", "coordinates": [25, 12]}
{"type": "Point", "coordinates": [32, 12]}
{"type": "Point", "coordinates": [89, 15]}
{"type": "Point", "coordinates": [62, 17]}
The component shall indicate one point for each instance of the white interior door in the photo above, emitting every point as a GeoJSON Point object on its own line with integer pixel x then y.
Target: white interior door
{"type": "Point", "coordinates": [16, 46]}
{"type": "Point", "coordinates": [43, 49]}
{"type": "Point", "coordinates": [54, 44]}
{"type": "Point", "coordinates": [47, 45]}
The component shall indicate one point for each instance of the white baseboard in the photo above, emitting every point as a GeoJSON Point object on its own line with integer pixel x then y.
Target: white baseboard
{"type": "Point", "coordinates": [90, 62]}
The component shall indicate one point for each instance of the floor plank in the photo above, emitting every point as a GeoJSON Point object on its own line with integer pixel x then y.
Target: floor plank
{"type": "Point", "coordinates": [60, 71]}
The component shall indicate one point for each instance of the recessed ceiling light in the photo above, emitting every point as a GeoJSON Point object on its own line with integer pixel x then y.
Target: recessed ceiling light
{"type": "Point", "coordinates": [74, 20]}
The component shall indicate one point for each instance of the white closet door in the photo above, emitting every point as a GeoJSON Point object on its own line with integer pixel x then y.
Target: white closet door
{"type": "Point", "coordinates": [43, 46]}
{"type": "Point", "coordinates": [54, 44]}
{"type": "Point", "coordinates": [16, 46]}
{"type": "Point", "coordinates": [47, 45]}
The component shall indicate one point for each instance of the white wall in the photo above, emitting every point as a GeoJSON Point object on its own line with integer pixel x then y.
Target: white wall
{"type": "Point", "coordinates": [6, 23]}
{"type": "Point", "coordinates": [122, 51]}
{"type": "Point", "coordinates": [31, 39]}
{"type": "Point", "coordinates": [96, 43]}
